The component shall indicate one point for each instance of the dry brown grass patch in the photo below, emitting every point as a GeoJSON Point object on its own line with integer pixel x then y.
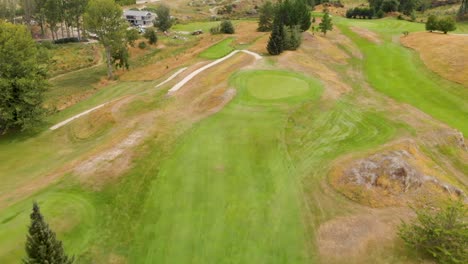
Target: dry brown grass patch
{"type": "Point", "coordinates": [446, 55]}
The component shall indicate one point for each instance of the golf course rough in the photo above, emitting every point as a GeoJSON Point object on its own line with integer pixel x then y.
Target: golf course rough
{"type": "Point", "coordinates": [229, 192]}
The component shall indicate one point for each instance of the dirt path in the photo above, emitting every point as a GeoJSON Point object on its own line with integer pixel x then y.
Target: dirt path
{"type": "Point", "coordinates": [173, 89]}
{"type": "Point", "coordinates": [195, 73]}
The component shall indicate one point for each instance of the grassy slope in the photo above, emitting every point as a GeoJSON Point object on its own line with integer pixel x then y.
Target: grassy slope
{"type": "Point", "coordinates": [228, 194]}
{"type": "Point", "coordinates": [218, 50]}
{"type": "Point", "coordinates": [399, 73]}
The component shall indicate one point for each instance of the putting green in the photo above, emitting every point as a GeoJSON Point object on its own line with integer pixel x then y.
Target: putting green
{"type": "Point", "coordinates": [274, 85]}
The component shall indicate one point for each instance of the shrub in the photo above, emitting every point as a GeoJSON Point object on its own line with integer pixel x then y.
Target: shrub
{"type": "Point", "coordinates": [142, 45]}
{"type": "Point", "coordinates": [292, 37]}
{"type": "Point", "coordinates": [215, 30]}
{"type": "Point", "coordinates": [226, 27]}
{"type": "Point", "coordinates": [47, 44]}
{"type": "Point", "coordinates": [150, 35]}
{"type": "Point", "coordinates": [431, 23]}
{"type": "Point", "coordinates": [442, 235]}
{"type": "Point", "coordinates": [446, 24]}
{"type": "Point", "coordinates": [380, 13]}
{"type": "Point", "coordinates": [66, 40]}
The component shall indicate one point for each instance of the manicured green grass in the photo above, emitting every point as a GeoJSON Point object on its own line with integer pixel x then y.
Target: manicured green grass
{"type": "Point", "coordinates": [399, 73]}
{"type": "Point", "coordinates": [69, 213]}
{"type": "Point", "coordinates": [271, 85]}
{"type": "Point", "coordinates": [218, 50]}
{"type": "Point", "coordinates": [228, 193]}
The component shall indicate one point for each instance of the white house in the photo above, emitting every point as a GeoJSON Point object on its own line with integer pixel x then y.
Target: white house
{"type": "Point", "coordinates": [139, 18]}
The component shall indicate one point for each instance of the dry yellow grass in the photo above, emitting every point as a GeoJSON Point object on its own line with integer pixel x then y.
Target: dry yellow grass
{"type": "Point", "coordinates": [446, 55]}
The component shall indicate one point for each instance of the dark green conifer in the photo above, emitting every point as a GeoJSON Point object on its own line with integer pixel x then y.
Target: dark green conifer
{"type": "Point", "coordinates": [276, 43]}
{"type": "Point", "coordinates": [42, 247]}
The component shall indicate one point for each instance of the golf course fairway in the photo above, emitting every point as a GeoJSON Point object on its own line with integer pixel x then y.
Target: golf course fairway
{"type": "Point", "coordinates": [229, 193]}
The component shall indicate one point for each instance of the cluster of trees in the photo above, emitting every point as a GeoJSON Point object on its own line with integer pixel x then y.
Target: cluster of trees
{"type": "Point", "coordinates": [289, 13]}
{"type": "Point", "coordinates": [287, 20]}
{"type": "Point", "coordinates": [444, 24]}
{"type": "Point", "coordinates": [360, 12]}
{"type": "Point", "coordinates": [22, 78]}
{"type": "Point", "coordinates": [406, 7]}
{"type": "Point", "coordinates": [441, 235]}
{"type": "Point", "coordinates": [56, 14]}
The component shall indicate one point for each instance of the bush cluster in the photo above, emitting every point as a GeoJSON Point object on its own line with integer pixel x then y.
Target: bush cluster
{"type": "Point", "coordinates": [444, 24]}
{"type": "Point", "coordinates": [224, 27]}
{"type": "Point", "coordinates": [360, 12]}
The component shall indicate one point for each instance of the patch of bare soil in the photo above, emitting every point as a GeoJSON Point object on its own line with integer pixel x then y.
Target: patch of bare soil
{"type": "Point", "coordinates": [350, 239]}
{"type": "Point", "coordinates": [367, 34]}
{"type": "Point", "coordinates": [398, 174]}
{"type": "Point", "coordinates": [445, 54]}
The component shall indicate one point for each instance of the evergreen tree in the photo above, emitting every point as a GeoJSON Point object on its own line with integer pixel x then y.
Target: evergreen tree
{"type": "Point", "coordinates": [276, 43]}
{"type": "Point", "coordinates": [326, 24]}
{"type": "Point", "coordinates": [42, 247]}
{"type": "Point", "coordinates": [267, 13]}
{"type": "Point", "coordinates": [304, 14]}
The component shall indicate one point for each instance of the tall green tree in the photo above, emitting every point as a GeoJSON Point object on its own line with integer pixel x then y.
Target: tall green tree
{"type": "Point", "coordinates": [303, 12]}
{"type": "Point", "coordinates": [75, 10]}
{"type": "Point", "coordinates": [276, 42]}
{"type": "Point", "coordinates": [326, 24]}
{"type": "Point", "coordinates": [42, 246]}
{"type": "Point", "coordinates": [164, 19]}
{"type": "Point", "coordinates": [53, 15]}
{"type": "Point", "coordinates": [267, 14]}
{"type": "Point", "coordinates": [22, 79]}
{"type": "Point", "coordinates": [104, 18]}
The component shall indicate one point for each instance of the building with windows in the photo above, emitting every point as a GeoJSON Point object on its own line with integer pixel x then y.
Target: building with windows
{"type": "Point", "coordinates": [139, 18]}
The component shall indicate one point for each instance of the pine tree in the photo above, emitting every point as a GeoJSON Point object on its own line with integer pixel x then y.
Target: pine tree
{"type": "Point", "coordinates": [267, 13]}
{"type": "Point", "coordinates": [276, 43]}
{"type": "Point", "coordinates": [326, 24]}
{"type": "Point", "coordinates": [42, 247]}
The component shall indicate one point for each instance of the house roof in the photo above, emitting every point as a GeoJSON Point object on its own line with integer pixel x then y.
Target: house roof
{"type": "Point", "coordinates": [137, 13]}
